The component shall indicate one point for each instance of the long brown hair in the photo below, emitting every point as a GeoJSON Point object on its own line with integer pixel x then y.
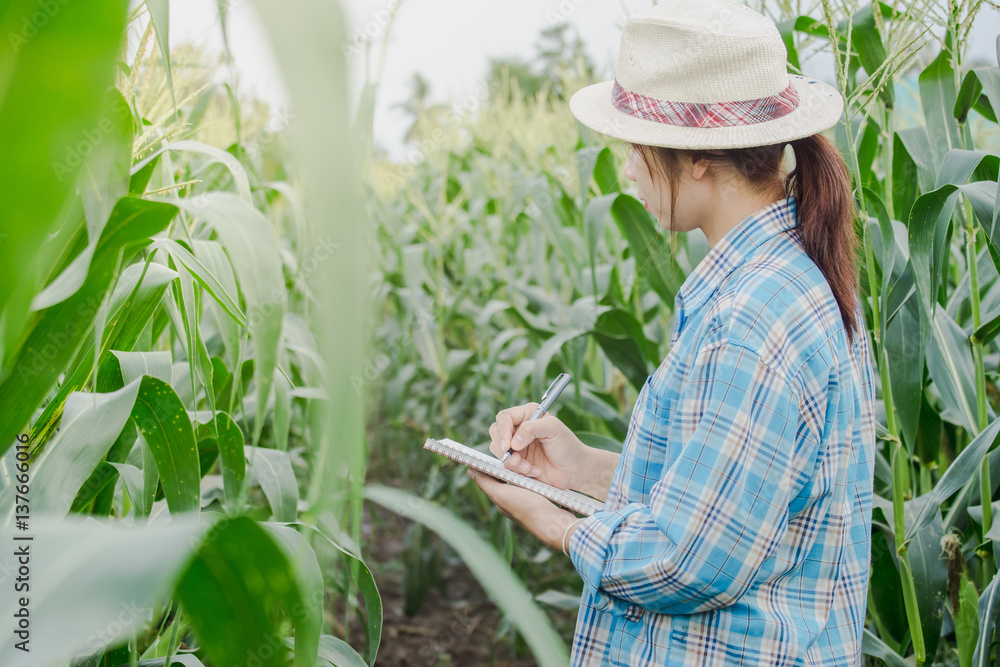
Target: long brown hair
{"type": "Point", "coordinates": [824, 205]}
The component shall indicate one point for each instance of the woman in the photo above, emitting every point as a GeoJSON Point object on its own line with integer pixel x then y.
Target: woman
{"type": "Point", "coordinates": [736, 525]}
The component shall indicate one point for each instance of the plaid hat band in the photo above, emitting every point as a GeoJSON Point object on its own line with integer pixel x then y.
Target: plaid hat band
{"type": "Point", "coordinates": [697, 114]}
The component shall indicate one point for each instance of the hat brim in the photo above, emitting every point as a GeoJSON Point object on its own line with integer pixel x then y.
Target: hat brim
{"type": "Point", "coordinates": [820, 107]}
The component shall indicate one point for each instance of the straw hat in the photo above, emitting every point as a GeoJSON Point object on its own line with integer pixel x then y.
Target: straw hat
{"type": "Point", "coordinates": [705, 74]}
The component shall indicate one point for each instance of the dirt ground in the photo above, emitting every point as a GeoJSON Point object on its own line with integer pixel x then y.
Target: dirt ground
{"type": "Point", "coordinates": [455, 630]}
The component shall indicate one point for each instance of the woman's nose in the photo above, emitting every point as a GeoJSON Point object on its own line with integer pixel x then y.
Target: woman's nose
{"type": "Point", "coordinates": [629, 168]}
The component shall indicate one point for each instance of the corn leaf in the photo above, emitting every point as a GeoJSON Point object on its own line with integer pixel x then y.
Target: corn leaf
{"type": "Point", "coordinates": [122, 574]}
{"type": "Point", "coordinates": [229, 592]}
{"type": "Point", "coordinates": [46, 130]}
{"type": "Point", "coordinates": [91, 423]}
{"type": "Point", "coordinates": [164, 425]}
{"type": "Point", "coordinates": [59, 331]}
{"type": "Point", "coordinates": [272, 470]}
{"type": "Point", "coordinates": [492, 572]}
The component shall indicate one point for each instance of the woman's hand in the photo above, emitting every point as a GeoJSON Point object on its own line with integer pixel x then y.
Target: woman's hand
{"type": "Point", "coordinates": [540, 517]}
{"type": "Point", "coordinates": [547, 450]}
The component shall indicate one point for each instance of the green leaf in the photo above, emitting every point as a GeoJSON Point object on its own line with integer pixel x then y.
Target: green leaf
{"type": "Point", "coordinates": [867, 42]}
{"type": "Point", "coordinates": [213, 256]}
{"type": "Point", "coordinates": [621, 337]}
{"type": "Point", "coordinates": [338, 653]}
{"type": "Point", "coordinates": [906, 367]}
{"type": "Point", "coordinates": [970, 95]}
{"type": "Point", "coordinates": [165, 426]}
{"type": "Point", "coordinates": [867, 149]}
{"type": "Point", "coordinates": [159, 14]}
{"type": "Point", "coordinates": [231, 589]}
{"type": "Point", "coordinates": [586, 160]}
{"type": "Point", "coordinates": [928, 225]}
{"type": "Point", "coordinates": [282, 410]}
{"type": "Point", "coordinates": [273, 471]}
{"type": "Point", "coordinates": [103, 181]}
{"type": "Point", "coordinates": [949, 362]}
{"type": "Point", "coordinates": [46, 128]}
{"type": "Point", "coordinates": [885, 594]}
{"type": "Point", "coordinates": [986, 207]}
{"type": "Point", "coordinates": [133, 482]}
{"type": "Point", "coordinates": [233, 457]}
{"type": "Point", "coordinates": [250, 242]}
{"type": "Point", "coordinates": [911, 173]}
{"type": "Point", "coordinates": [959, 166]}
{"type": "Point", "coordinates": [938, 97]}
{"type": "Point", "coordinates": [873, 646]}
{"type": "Point", "coordinates": [58, 332]}
{"type": "Point", "coordinates": [548, 198]}
{"type": "Point", "coordinates": [654, 265]}
{"type": "Point", "coordinates": [989, 609]}
{"type": "Point", "coordinates": [90, 425]}
{"type": "Point", "coordinates": [366, 584]}
{"type": "Point", "coordinates": [963, 469]}
{"type": "Point", "coordinates": [605, 172]}
{"type": "Point", "coordinates": [122, 574]}
{"type": "Point", "coordinates": [238, 171]}
{"type": "Point", "coordinates": [493, 574]}
{"type": "Point", "coordinates": [307, 616]}
{"type": "Point", "coordinates": [205, 277]}
{"type": "Point", "coordinates": [136, 364]}
{"type": "Point", "coordinates": [966, 619]}
{"type": "Point", "coordinates": [930, 579]}
{"type": "Point", "coordinates": [595, 218]}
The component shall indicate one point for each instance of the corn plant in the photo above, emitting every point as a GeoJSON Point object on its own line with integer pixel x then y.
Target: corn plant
{"type": "Point", "coordinates": [515, 255]}
{"type": "Point", "coordinates": [164, 379]}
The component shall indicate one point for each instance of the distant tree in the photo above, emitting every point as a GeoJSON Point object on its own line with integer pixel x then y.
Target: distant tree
{"type": "Point", "coordinates": [417, 104]}
{"type": "Point", "coordinates": [555, 54]}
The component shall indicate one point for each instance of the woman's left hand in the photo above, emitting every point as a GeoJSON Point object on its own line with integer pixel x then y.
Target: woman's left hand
{"type": "Point", "coordinates": [541, 517]}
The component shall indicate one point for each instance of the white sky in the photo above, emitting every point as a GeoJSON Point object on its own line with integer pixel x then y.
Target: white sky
{"type": "Point", "coordinates": [447, 41]}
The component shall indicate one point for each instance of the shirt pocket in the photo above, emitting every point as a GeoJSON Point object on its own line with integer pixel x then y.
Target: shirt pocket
{"type": "Point", "coordinates": [647, 443]}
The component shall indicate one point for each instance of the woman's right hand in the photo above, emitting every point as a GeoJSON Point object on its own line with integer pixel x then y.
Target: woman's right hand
{"type": "Point", "coordinates": [545, 448]}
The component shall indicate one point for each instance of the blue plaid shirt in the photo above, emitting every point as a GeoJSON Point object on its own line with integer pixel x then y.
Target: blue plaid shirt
{"type": "Point", "coordinates": [737, 528]}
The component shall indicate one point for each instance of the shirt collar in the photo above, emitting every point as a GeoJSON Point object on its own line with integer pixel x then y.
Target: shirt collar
{"type": "Point", "coordinates": [733, 250]}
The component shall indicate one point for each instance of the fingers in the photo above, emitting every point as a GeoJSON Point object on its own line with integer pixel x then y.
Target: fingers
{"type": "Point", "coordinates": [519, 464]}
{"type": "Point", "coordinates": [506, 422]}
{"type": "Point", "coordinates": [529, 431]}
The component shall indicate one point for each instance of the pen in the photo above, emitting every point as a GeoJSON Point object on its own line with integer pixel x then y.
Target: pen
{"type": "Point", "coordinates": [548, 398]}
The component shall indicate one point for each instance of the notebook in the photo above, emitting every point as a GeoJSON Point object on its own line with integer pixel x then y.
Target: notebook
{"type": "Point", "coordinates": [491, 465]}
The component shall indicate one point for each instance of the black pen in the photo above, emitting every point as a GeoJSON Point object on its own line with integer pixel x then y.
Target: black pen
{"type": "Point", "coordinates": [548, 398]}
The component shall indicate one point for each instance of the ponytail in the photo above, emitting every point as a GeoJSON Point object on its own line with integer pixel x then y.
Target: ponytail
{"type": "Point", "coordinates": [825, 209]}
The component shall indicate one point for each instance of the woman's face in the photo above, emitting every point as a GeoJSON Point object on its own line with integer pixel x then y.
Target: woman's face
{"type": "Point", "coordinates": [655, 193]}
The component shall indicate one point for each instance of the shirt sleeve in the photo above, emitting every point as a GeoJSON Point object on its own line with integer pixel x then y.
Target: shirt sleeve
{"type": "Point", "coordinates": [721, 508]}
